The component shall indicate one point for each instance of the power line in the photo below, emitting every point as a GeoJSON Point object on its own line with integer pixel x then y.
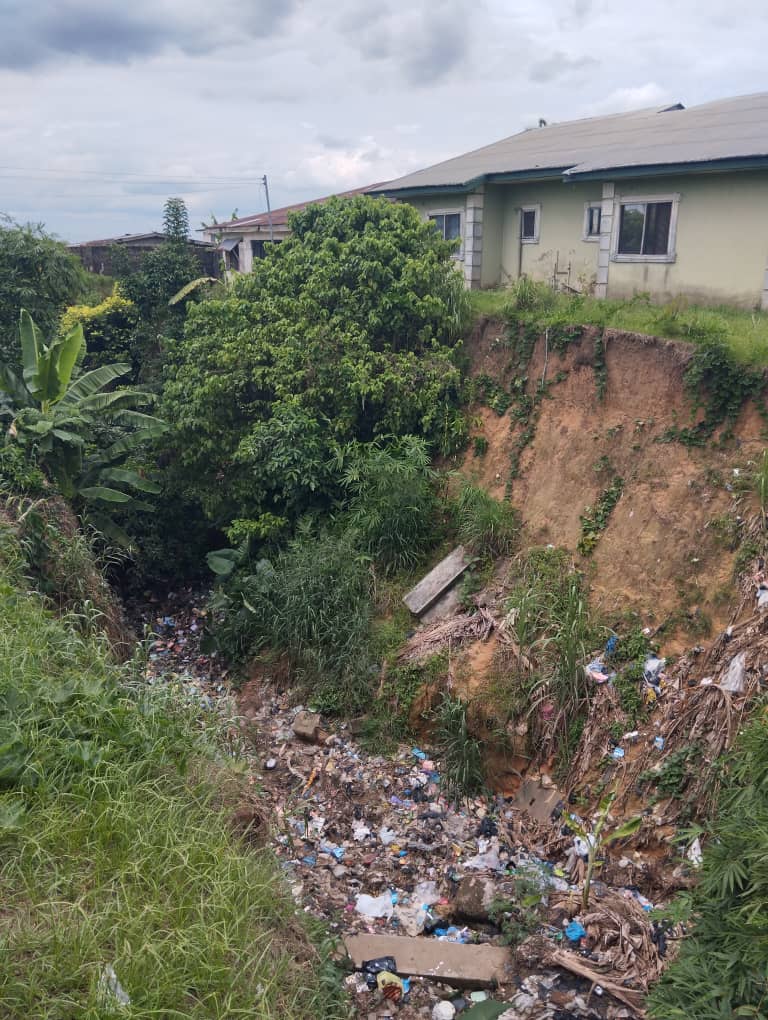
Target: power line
{"type": "Point", "coordinates": [118, 174]}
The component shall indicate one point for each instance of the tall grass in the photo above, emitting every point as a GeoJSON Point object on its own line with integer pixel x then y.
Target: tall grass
{"type": "Point", "coordinates": [745, 333]}
{"type": "Point", "coordinates": [488, 527]}
{"type": "Point", "coordinates": [116, 848]}
{"type": "Point", "coordinates": [462, 771]}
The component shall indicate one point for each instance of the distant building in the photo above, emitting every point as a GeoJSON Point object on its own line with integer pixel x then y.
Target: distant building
{"type": "Point", "coordinates": [96, 256]}
{"type": "Point", "coordinates": [241, 241]}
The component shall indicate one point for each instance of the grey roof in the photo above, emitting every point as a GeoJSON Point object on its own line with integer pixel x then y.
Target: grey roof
{"type": "Point", "coordinates": [734, 128]}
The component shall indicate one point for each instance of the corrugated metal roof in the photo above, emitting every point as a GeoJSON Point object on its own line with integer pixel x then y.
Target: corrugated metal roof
{"type": "Point", "coordinates": [725, 129]}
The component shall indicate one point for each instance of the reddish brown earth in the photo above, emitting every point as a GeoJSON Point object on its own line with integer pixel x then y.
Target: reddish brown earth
{"type": "Point", "coordinates": [659, 552]}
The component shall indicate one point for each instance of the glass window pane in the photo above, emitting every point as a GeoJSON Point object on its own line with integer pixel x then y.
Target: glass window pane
{"type": "Point", "coordinates": [528, 224]}
{"type": "Point", "coordinates": [593, 221]}
{"type": "Point", "coordinates": [631, 229]}
{"type": "Point", "coordinates": [657, 219]}
{"type": "Point", "coordinates": [452, 226]}
{"type": "Point", "coordinates": [439, 222]}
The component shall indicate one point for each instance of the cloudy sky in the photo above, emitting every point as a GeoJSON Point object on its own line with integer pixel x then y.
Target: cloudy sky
{"type": "Point", "coordinates": [107, 108]}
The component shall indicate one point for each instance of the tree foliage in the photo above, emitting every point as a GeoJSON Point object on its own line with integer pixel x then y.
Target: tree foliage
{"type": "Point", "coordinates": [109, 328]}
{"type": "Point", "coordinates": [37, 273]}
{"type": "Point", "coordinates": [345, 332]}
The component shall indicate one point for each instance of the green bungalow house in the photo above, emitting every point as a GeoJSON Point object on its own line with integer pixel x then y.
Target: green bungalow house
{"type": "Point", "coordinates": [666, 201]}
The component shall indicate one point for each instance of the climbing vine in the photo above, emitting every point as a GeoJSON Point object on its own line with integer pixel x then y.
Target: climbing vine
{"type": "Point", "coordinates": [717, 383]}
{"type": "Point", "coordinates": [595, 518]}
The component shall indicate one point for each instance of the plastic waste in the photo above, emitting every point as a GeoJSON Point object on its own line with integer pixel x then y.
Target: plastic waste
{"type": "Point", "coordinates": [111, 993]}
{"type": "Point", "coordinates": [375, 906]}
{"type": "Point", "coordinates": [652, 666]}
{"type": "Point", "coordinates": [658, 743]}
{"type": "Point", "coordinates": [734, 680]}
{"type": "Point", "coordinates": [419, 754]}
{"type": "Point", "coordinates": [762, 596]}
{"type": "Point", "coordinates": [387, 836]}
{"type": "Point", "coordinates": [617, 753]}
{"type": "Point", "coordinates": [380, 965]}
{"type": "Point", "coordinates": [412, 918]}
{"type": "Point", "coordinates": [443, 1011]}
{"type": "Point", "coordinates": [694, 853]}
{"type": "Point", "coordinates": [575, 932]}
{"type": "Point", "coordinates": [390, 985]}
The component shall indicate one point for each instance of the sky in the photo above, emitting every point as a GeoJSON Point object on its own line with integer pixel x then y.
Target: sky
{"type": "Point", "coordinates": [107, 109]}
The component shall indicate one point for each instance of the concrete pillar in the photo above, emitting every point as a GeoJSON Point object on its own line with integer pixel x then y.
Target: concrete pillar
{"type": "Point", "coordinates": [604, 246]}
{"type": "Point", "coordinates": [473, 240]}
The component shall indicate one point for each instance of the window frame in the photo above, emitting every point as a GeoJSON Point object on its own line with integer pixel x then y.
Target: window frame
{"type": "Point", "coordinates": [459, 253]}
{"type": "Point", "coordinates": [645, 199]}
{"type": "Point", "coordinates": [536, 210]}
{"type": "Point", "coordinates": [585, 234]}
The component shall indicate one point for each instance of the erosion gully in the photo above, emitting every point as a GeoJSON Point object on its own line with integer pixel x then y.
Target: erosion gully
{"type": "Point", "coordinates": [408, 882]}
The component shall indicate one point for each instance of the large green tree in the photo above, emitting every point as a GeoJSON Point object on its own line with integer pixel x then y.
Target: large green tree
{"type": "Point", "coordinates": [38, 273]}
{"type": "Point", "coordinates": [345, 332]}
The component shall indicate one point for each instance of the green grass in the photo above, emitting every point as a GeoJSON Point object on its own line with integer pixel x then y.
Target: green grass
{"type": "Point", "coordinates": [114, 850]}
{"type": "Point", "coordinates": [744, 332]}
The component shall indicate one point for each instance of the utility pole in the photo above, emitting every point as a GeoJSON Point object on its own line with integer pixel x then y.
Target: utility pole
{"type": "Point", "coordinates": [269, 209]}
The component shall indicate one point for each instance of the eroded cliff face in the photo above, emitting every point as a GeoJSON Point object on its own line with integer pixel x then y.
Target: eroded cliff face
{"type": "Point", "coordinates": [664, 551]}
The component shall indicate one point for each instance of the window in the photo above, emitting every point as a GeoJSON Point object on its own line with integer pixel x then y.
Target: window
{"type": "Point", "coordinates": [593, 216]}
{"type": "Point", "coordinates": [646, 229]}
{"type": "Point", "coordinates": [529, 224]}
{"type": "Point", "coordinates": [259, 248]}
{"type": "Point", "coordinates": [448, 224]}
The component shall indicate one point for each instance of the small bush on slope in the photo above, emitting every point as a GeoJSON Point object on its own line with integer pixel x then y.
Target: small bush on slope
{"type": "Point", "coordinates": [722, 969]}
{"type": "Point", "coordinates": [111, 855]}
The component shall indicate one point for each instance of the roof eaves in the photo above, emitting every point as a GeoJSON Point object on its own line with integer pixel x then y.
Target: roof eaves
{"type": "Point", "coordinates": [668, 169]}
{"type": "Point", "coordinates": [414, 190]}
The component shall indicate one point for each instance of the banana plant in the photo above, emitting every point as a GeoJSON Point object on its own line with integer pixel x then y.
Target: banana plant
{"type": "Point", "coordinates": [595, 840]}
{"type": "Point", "coordinates": [80, 430]}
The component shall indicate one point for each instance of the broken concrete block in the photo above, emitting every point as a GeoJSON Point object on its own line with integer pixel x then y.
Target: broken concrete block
{"type": "Point", "coordinates": [537, 799]}
{"type": "Point", "coordinates": [473, 898]}
{"type": "Point", "coordinates": [437, 581]}
{"type": "Point", "coordinates": [306, 726]}
{"type": "Point", "coordinates": [463, 966]}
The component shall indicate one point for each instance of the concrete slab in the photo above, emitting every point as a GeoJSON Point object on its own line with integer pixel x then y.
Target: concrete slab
{"type": "Point", "coordinates": [461, 966]}
{"type": "Point", "coordinates": [437, 581]}
{"type": "Point", "coordinates": [447, 605]}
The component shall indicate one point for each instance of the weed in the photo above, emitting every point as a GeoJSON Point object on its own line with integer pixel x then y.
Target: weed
{"type": "Point", "coordinates": [523, 914]}
{"type": "Point", "coordinates": [487, 526]}
{"type": "Point", "coordinates": [595, 519]}
{"type": "Point", "coordinates": [462, 770]}
{"type": "Point", "coordinates": [480, 446]}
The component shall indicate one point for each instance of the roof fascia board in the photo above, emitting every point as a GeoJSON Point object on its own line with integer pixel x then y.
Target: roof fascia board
{"type": "Point", "coordinates": [523, 176]}
{"type": "Point", "coordinates": [429, 189]}
{"type": "Point", "coordinates": [668, 169]}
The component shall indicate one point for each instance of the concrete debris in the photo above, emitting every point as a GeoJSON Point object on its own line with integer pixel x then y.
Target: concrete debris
{"type": "Point", "coordinates": [458, 965]}
{"type": "Point", "coordinates": [306, 726]}
{"type": "Point", "coordinates": [437, 582]}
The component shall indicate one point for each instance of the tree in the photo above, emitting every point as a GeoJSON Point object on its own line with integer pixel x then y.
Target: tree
{"type": "Point", "coordinates": [160, 275]}
{"type": "Point", "coordinates": [38, 273]}
{"type": "Point", "coordinates": [345, 332]}
{"type": "Point", "coordinates": [76, 429]}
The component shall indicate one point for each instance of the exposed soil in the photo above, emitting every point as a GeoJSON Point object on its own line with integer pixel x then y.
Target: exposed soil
{"type": "Point", "coordinates": [659, 553]}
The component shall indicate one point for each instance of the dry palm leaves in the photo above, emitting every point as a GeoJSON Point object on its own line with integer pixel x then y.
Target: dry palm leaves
{"type": "Point", "coordinates": [446, 633]}
{"type": "Point", "coordinates": [619, 936]}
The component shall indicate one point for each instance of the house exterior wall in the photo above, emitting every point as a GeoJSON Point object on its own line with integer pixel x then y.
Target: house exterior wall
{"type": "Point", "coordinates": [560, 246]}
{"type": "Point", "coordinates": [721, 241]}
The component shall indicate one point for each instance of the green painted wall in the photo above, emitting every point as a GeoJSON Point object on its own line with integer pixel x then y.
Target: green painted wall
{"type": "Point", "coordinates": [722, 241]}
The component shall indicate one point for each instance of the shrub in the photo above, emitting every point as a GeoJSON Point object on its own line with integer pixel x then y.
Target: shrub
{"type": "Point", "coordinates": [462, 771]}
{"type": "Point", "coordinates": [109, 329]}
{"type": "Point", "coordinates": [720, 970]}
{"type": "Point", "coordinates": [312, 603]}
{"type": "Point", "coordinates": [487, 526]}
{"type": "Point", "coordinates": [38, 273]}
{"type": "Point", "coordinates": [394, 506]}
{"type": "Point", "coordinates": [345, 333]}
